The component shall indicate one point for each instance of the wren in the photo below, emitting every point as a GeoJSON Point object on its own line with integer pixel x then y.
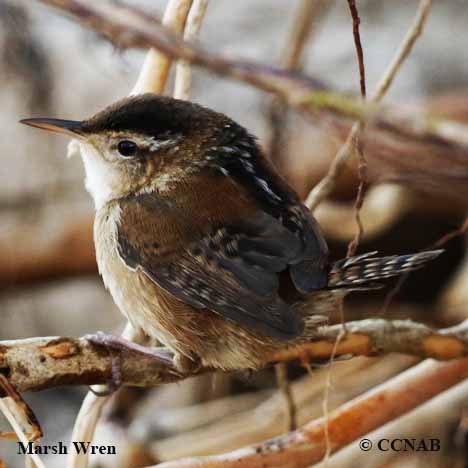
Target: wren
{"type": "Point", "coordinates": [201, 243]}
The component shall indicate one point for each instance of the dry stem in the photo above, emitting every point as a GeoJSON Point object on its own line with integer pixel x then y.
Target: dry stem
{"type": "Point", "coordinates": [183, 78]}
{"type": "Point", "coordinates": [358, 144]}
{"type": "Point", "coordinates": [325, 186]}
{"type": "Point", "coordinates": [155, 70]}
{"type": "Point", "coordinates": [305, 21]}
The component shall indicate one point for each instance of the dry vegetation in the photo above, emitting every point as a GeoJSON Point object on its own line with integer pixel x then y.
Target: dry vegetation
{"type": "Point", "coordinates": [393, 177]}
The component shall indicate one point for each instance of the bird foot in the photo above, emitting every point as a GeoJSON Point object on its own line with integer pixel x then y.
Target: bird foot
{"type": "Point", "coordinates": [116, 345]}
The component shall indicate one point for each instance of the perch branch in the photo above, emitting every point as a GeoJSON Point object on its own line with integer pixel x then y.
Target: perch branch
{"type": "Point", "coordinates": [40, 363]}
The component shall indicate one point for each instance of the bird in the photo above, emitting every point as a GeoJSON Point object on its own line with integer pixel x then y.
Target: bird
{"type": "Point", "coordinates": [203, 246]}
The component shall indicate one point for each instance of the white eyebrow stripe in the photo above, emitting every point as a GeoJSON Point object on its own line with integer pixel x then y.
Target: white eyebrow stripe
{"type": "Point", "coordinates": [156, 144]}
{"type": "Point", "coordinates": [149, 142]}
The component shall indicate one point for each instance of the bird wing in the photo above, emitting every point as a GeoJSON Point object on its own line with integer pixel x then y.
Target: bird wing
{"type": "Point", "coordinates": [243, 162]}
{"type": "Point", "coordinates": [229, 269]}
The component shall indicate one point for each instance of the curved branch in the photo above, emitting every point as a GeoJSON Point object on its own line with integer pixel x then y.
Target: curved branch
{"type": "Point", "coordinates": [306, 446]}
{"type": "Point", "coordinates": [40, 363]}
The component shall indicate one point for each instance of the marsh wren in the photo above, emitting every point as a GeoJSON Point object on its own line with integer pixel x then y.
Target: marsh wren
{"type": "Point", "coordinates": [201, 243]}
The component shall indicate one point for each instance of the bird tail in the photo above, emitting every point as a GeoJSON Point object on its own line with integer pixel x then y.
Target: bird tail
{"type": "Point", "coordinates": [366, 271]}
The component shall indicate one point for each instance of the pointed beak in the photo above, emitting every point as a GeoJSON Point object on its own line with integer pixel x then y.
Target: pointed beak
{"type": "Point", "coordinates": [66, 127]}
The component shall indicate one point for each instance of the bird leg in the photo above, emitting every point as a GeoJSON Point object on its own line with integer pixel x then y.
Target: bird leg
{"type": "Point", "coordinates": [115, 345]}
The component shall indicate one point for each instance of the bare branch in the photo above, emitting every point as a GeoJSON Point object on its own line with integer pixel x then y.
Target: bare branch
{"type": "Point", "coordinates": [153, 75]}
{"type": "Point", "coordinates": [306, 446]}
{"type": "Point", "coordinates": [405, 49]}
{"type": "Point", "coordinates": [325, 186]}
{"type": "Point", "coordinates": [183, 78]}
{"type": "Point", "coordinates": [358, 143]}
{"type": "Point", "coordinates": [306, 19]}
{"type": "Point", "coordinates": [39, 363]}
{"type": "Point", "coordinates": [357, 42]}
{"type": "Point", "coordinates": [128, 27]}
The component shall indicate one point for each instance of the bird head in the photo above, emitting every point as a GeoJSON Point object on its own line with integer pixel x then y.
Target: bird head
{"type": "Point", "coordinates": [143, 143]}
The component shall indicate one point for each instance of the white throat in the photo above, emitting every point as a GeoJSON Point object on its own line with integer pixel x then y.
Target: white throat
{"type": "Point", "coordinates": [99, 175]}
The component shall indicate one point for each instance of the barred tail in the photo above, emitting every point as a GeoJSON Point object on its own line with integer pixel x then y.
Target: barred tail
{"type": "Point", "coordinates": [365, 271]}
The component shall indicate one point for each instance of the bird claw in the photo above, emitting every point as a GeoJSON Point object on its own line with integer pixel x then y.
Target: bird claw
{"type": "Point", "coordinates": [115, 345]}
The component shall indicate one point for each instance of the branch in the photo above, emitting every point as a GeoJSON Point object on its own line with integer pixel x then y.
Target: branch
{"type": "Point", "coordinates": [155, 70]}
{"type": "Point", "coordinates": [183, 78]}
{"type": "Point", "coordinates": [357, 143]}
{"type": "Point", "coordinates": [129, 27]}
{"type": "Point", "coordinates": [39, 363]}
{"type": "Point", "coordinates": [306, 20]}
{"type": "Point", "coordinates": [325, 186]}
{"type": "Point", "coordinates": [350, 421]}
{"type": "Point", "coordinates": [441, 412]}
{"type": "Point", "coordinates": [237, 428]}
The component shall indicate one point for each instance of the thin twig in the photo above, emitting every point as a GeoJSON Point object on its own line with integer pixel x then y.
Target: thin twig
{"type": "Point", "coordinates": [405, 49]}
{"type": "Point", "coordinates": [155, 69]}
{"type": "Point", "coordinates": [308, 16]}
{"type": "Point", "coordinates": [183, 78]}
{"type": "Point", "coordinates": [284, 386]}
{"type": "Point", "coordinates": [460, 231]}
{"type": "Point", "coordinates": [326, 393]}
{"type": "Point", "coordinates": [326, 185]}
{"type": "Point", "coordinates": [357, 42]}
{"type": "Point", "coordinates": [358, 143]}
{"type": "Point", "coordinates": [352, 247]}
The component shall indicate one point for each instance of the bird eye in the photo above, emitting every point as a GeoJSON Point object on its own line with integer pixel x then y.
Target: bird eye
{"type": "Point", "coordinates": [127, 148]}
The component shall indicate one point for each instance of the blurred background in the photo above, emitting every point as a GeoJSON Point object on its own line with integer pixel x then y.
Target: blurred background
{"type": "Point", "coordinates": [51, 66]}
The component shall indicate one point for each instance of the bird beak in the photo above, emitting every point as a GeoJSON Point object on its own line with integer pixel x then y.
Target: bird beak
{"type": "Point", "coordinates": [66, 127]}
